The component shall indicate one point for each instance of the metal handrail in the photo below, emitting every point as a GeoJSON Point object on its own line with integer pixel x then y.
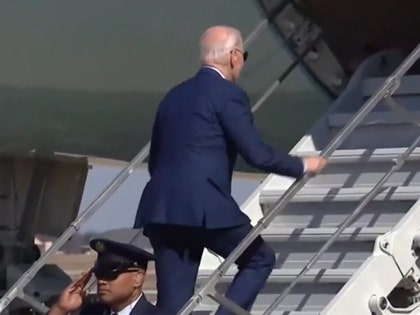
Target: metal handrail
{"type": "Point", "coordinates": [388, 88]}
{"type": "Point", "coordinates": [398, 163]}
{"type": "Point", "coordinates": [264, 23]}
{"type": "Point", "coordinates": [255, 32]}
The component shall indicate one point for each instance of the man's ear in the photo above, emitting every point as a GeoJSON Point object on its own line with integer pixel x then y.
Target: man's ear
{"type": "Point", "coordinates": [138, 279]}
{"type": "Point", "coordinates": [231, 60]}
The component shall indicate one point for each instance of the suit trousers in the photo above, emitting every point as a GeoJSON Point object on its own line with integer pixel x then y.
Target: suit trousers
{"type": "Point", "coordinates": [178, 251]}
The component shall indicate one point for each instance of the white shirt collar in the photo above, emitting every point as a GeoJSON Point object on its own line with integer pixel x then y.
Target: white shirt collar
{"type": "Point", "coordinates": [127, 310]}
{"type": "Point", "coordinates": [217, 70]}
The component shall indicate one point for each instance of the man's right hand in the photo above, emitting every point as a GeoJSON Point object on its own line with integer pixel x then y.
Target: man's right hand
{"type": "Point", "coordinates": [314, 164]}
{"type": "Point", "coordinates": [71, 299]}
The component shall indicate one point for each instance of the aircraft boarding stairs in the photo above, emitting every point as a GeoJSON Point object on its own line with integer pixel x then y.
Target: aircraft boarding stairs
{"type": "Point", "coordinates": [366, 144]}
{"type": "Point", "coordinates": [373, 254]}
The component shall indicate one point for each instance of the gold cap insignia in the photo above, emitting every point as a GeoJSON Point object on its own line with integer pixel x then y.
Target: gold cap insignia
{"type": "Point", "coordinates": [100, 247]}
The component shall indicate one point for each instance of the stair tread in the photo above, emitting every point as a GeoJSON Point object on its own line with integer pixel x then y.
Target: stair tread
{"type": "Point", "coordinates": [364, 155]}
{"type": "Point", "coordinates": [373, 118]}
{"type": "Point", "coordinates": [283, 272]}
{"type": "Point", "coordinates": [259, 309]}
{"type": "Point", "coordinates": [281, 233]}
{"type": "Point", "coordinates": [313, 194]}
{"type": "Point", "coordinates": [376, 218]}
{"type": "Point", "coordinates": [409, 85]}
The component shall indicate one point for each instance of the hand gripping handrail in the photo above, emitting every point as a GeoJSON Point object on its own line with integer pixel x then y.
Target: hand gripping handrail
{"type": "Point", "coordinates": [388, 88]}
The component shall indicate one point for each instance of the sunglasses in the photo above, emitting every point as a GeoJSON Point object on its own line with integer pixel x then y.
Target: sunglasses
{"type": "Point", "coordinates": [111, 274]}
{"type": "Point", "coordinates": [244, 53]}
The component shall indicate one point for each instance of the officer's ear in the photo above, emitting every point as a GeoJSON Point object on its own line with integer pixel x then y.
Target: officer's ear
{"type": "Point", "coordinates": [138, 279]}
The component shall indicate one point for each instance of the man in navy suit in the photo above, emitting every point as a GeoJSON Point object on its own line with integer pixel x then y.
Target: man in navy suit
{"type": "Point", "coordinates": [200, 127]}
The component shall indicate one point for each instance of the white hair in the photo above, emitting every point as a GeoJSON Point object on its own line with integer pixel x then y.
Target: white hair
{"type": "Point", "coordinates": [216, 52]}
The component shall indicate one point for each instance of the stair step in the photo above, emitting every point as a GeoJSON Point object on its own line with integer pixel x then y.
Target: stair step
{"type": "Point", "coordinates": [379, 136]}
{"type": "Point", "coordinates": [295, 254]}
{"type": "Point", "coordinates": [288, 275]}
{"type": "Point", "coordinates": [331, 214]}
{"type": "Point", "coordinates": [276, 233]}
{"type": "Point", "coordinates": [304, 298]}
{"type": "Point", "coordinates": [362, 175]}
{"type": "Point", "coordinates": [258, 310]}
{"type": "Point", "coordinates": [210, 308]}
{"type": "Point", "coordinates": [350, 168]}
{"type": "Point", "coordinates": [410, 84]}
{"type": "Point", "coordinates": [372, 119]}
{"type": "Point", "coordinates": [261, 311]}
{"type": "Point", "coordinates": [364, 155]}
{"type": "Point", "coordinates": [342, 194]}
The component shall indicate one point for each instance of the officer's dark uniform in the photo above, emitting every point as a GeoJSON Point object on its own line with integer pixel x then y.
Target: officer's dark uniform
{"type": "Point", "coordinates": [113, 257]}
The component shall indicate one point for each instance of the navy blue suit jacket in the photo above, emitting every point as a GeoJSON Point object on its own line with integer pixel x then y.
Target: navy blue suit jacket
{"type": "Point", "coordinates": [200, 127]}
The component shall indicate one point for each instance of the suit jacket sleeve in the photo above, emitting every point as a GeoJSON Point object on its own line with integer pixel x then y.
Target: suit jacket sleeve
{"type": "Point", "coordinates": [237, 122]}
